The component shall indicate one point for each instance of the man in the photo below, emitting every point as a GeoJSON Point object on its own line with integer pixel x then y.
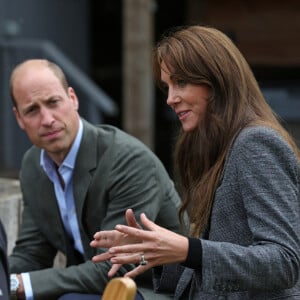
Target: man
{"type": "Point", "coordinates": [4, 287]}
{"type": "Point", "coordinates": [76, 179]}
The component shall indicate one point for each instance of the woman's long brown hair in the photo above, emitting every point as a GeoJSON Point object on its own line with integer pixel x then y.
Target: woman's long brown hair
{"type": "Point", "coordinates": [204, 55]}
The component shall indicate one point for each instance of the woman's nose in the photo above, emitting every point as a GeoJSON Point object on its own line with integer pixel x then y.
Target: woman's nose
{"type": "Point", "coordinates": [173, 98]}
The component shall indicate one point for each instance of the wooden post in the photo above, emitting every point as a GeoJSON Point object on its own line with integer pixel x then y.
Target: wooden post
{"type": "Point", "coordinates": [138, 87]}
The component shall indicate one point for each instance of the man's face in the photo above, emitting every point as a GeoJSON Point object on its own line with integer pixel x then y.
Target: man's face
{"type": "Point", "coordinates": [45, 110]}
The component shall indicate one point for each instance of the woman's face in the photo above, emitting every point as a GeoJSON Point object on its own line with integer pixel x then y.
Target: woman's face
{"type": "Point", "coordinates": [188, 100]}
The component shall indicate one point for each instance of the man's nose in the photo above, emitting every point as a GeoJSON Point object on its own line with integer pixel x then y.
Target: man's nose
{"type": "Point", "coordinates": [46, 116]}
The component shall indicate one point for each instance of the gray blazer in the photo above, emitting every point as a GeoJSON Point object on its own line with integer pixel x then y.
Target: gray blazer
{"type": "Point", "coordinates": [113, 172]}
{"type": "Point", "coordinates": [252, 247]}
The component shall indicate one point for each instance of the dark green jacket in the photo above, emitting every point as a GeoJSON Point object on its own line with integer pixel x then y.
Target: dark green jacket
{"type": "Point", "coordinates": [113, 172]}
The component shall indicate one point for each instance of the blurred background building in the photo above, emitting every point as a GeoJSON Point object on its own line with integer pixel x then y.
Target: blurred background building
{"type": "Point", "coordinates": [105, 46]}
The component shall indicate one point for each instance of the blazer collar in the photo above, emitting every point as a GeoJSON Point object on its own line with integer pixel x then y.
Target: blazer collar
{"type": "Point", "coordinates": [85, 163]}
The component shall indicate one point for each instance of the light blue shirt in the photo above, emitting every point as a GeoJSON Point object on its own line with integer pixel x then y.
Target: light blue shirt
{"type": "Point", "coordinates": [64, 197]}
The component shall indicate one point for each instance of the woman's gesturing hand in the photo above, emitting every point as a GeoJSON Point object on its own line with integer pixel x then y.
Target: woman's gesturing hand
{"type": "Point", "coordinates": [155, 246]}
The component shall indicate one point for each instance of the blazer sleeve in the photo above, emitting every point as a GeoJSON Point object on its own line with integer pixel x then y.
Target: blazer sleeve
{"type": "Point", "coordinates": [32, 250]}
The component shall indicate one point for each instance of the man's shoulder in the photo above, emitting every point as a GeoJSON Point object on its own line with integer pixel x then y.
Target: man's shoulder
{"type": "Point", "coordinates": [112, 135]}
{"type": "Point", "coordinates": [30, 166]}
{"type": "Point", "coordinates": [102, 129]}
{"type": "Point", "coordinates": [120, 145]}
{"type": "Point", "coordinates": [32, 154]}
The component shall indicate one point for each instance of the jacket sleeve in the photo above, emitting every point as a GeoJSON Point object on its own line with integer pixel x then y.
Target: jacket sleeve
{"type": "Point", "coordinates": [32, 250]}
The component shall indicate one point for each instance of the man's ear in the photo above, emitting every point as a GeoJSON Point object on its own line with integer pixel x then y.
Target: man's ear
{"type": "Point", "coordinates": [18, 117]}
{"type": "Point", "coordinates": [73, 96]}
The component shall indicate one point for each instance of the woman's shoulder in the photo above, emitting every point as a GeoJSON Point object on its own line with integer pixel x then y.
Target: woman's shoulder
{"type": "Point", "coordinates": [258, 131]}
{"type": "Point", "coordinates": [256, 135]}
{"type": "Point", "coordinates": [262, 140]}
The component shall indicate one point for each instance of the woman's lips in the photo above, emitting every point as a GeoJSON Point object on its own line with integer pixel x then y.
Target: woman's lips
{"type": "Point", "coordinates": [183, 114]}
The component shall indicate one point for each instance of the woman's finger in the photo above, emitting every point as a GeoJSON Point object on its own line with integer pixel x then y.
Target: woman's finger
{"type": "Point", "coordinates": [114, 269]}
{"type": "Point", "coordinates": [107, 235]}
{"type": "Point", "coordinates": [138, 234]}
{"type": "Point", "coordinates": [131, 220]}
{"type": "Point", "coordinates": [101, 257]}
{"type": "Point", "coordinates": [127, 258]}
{"type": "Point", "coordinates": [139, 259]}
{"type": "Point", "coordinates": [137, 271]}
{"type": "Point", "coordinates": [101, 243]}
{"type": "Point", "coordinates": [150, 225]}
{"type": "Point", "coordinates": [131, 248]}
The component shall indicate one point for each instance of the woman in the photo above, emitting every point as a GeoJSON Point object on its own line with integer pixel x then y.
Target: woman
{"type": "Point", "coordinates": [239, 173]}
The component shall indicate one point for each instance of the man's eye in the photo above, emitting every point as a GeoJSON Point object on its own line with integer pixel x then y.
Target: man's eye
{"type": "Point", "coordinates": [30, 110]}
{"type": "Point", "coordinates": [53, 101]}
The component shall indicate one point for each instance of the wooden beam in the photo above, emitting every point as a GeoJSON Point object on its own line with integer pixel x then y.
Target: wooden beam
{"type": "Point", "coordinates": [138, 87]}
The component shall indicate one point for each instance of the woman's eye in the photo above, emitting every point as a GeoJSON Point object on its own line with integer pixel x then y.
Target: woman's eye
{"type": "Point", "coordinates": [181, 82]}
{"type": "Point", "coordinates": [165, 88]}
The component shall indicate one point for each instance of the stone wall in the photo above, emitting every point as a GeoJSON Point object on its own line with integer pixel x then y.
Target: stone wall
{"type": "Point", "coordinates": [10, 209]}
{"type": "Point", "coordinates": [10, 214]}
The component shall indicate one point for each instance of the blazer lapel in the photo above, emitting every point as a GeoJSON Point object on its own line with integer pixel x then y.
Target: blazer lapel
{"type": "Point", "coordinates": [183, 282]}
{"type": "Point", "coordinates": [86, 162]}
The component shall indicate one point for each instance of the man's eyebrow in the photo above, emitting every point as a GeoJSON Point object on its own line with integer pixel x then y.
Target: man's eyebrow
{"type": "Point", "coordinates": [28, 107]}
{"type": "Point", "coordinates": [51, 98]}
{"type": "Point", "coordinates": [30, 104]}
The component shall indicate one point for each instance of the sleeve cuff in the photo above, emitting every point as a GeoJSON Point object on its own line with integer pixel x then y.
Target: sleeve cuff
{"type": "Point", "coordinates": [194, 257]}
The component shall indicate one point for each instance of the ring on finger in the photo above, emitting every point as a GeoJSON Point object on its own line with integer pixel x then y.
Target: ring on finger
{"type": "Point", "coordinates": [143, 261]}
